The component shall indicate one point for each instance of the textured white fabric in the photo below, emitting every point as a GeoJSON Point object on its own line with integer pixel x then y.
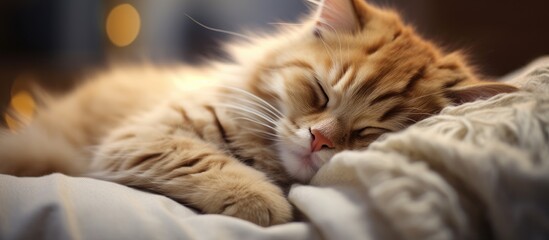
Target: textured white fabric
{"type": "Point", "coordinates": [476, 171]}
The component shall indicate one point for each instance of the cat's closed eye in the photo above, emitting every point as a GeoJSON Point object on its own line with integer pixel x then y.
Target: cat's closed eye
{"type": "Point", "coordinates": [323, 96]}
{"type": "Point", "coordinates": [369, 133]}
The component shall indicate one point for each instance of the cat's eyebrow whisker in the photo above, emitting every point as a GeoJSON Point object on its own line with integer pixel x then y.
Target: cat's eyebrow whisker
{"type": "Point", "coordinates": [219, 30]}
{"type": "Point", "coordinates": [326, 46]}
{"type": "Point", "coordinates": [338, 40]}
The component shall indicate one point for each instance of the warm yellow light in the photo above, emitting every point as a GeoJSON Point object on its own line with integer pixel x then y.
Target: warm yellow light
{"type": "Point", "coordinates": [23, 105]}
{"type": "Point", "coordinates": [123, 24]}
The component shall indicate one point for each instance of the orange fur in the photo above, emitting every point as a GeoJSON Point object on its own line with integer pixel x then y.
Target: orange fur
{"type": "Point", "coordinates": [343, 77]}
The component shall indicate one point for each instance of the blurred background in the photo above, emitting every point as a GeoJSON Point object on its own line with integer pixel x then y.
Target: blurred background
{"type": "Point", "coordinates": [56, 42]}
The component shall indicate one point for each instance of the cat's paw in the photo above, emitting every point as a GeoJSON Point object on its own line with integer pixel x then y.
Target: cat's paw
{"type": "Point", "coordinates": [264, 205]}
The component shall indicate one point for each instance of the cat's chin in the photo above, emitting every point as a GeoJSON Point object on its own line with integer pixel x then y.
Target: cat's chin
{"type": "Point", "coordinates": [302, 168]}
{"type": "Point", "coordinates": [301, 165]}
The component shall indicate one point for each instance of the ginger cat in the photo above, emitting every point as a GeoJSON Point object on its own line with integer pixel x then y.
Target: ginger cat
{"type": "Point", "coordinates": [230, 137]}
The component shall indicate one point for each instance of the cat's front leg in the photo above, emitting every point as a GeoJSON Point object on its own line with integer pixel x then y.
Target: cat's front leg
{"type": "Point", "coordinates": [194, 173]}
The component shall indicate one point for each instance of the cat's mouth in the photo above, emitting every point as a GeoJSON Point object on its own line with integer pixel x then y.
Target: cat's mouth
{"type": "Point", "coordinates": [311, 161]}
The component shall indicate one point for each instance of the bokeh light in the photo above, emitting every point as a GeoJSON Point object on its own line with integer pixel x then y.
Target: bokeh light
{"type": "Point", "coordinates": [23, 106]}
{"type": "Point", "coordinates": [123, 25]}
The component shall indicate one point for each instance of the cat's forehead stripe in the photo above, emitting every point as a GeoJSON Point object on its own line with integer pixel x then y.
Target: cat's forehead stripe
{"type": "Point", "coordinates": [392, 113]}
{"type": "Point", "coordinates": [454, 82]}
{"type": "Point", "coordinates": [350, 76]}
{"type": "Point", "coordinates": [341, 72]}
{"type": "Point", "coordinates": [371, 81]}
{"type": "Point", "coordinates": [374, 47]}
{"type": "Point", "coordinates": [405, 91]}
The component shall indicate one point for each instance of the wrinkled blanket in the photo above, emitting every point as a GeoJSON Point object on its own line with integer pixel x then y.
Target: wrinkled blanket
{"type": "Point", "coordinates": [476, 171]}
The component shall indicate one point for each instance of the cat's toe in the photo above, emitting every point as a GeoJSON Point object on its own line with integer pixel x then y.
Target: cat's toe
{"type": "Point", "coordinates": [264, 208]}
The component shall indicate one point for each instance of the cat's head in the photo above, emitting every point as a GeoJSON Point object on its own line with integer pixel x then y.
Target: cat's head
{"type": "Point", "coordinates": [348, 74]}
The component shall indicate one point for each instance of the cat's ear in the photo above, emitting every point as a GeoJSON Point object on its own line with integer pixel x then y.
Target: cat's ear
{"type": "Point", "coordinates": [460, 95]}
{"type": "Point", "coordinates": [337, 16]}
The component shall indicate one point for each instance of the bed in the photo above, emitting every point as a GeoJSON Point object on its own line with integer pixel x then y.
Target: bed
{"type": "Point", "coordinates": [475, 171]}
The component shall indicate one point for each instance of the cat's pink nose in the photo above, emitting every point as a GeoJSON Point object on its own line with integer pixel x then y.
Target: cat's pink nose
{"type": "Point", "coordinates": [320, 141]}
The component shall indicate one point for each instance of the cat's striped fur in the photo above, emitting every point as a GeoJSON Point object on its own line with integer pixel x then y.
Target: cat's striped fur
{"type": "Point", "coordinates": [284, 105]}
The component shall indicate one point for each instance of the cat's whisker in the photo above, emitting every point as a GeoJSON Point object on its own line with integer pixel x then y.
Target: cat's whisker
{"type": "Point", "coordinates": [265, 103]}
{"type": "Point", "coordinates": [242, 110]}
{"type": "Point", "coordinates": [250, 101]}
{"type": "Point", "coordinates": [271, 136]}
{"type": "Point", "coordinates": [219, 30]}
{"type": "Point", "coordinates": [251, 104]}
{"type": "Point", "coordinates": [280, 114]}
{"type": "Point", "coordinates": [315, 2]}
{"type": "Point", "coordinates": [285, 24]}
{"type": "Point", "coordinates": [245, 108]}
{"type": "Point", "coordinates": [248, 110]}
{"type": "Point", "coordinates": [256, 122]}
{"type": "Point", "coordinates": [263, 135]}
{"type": "Point", "coordinates": [312, 5]}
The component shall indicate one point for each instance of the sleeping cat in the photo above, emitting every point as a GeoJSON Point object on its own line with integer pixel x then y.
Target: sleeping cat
{"type": "Point", "coordinates": [230, 137]}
